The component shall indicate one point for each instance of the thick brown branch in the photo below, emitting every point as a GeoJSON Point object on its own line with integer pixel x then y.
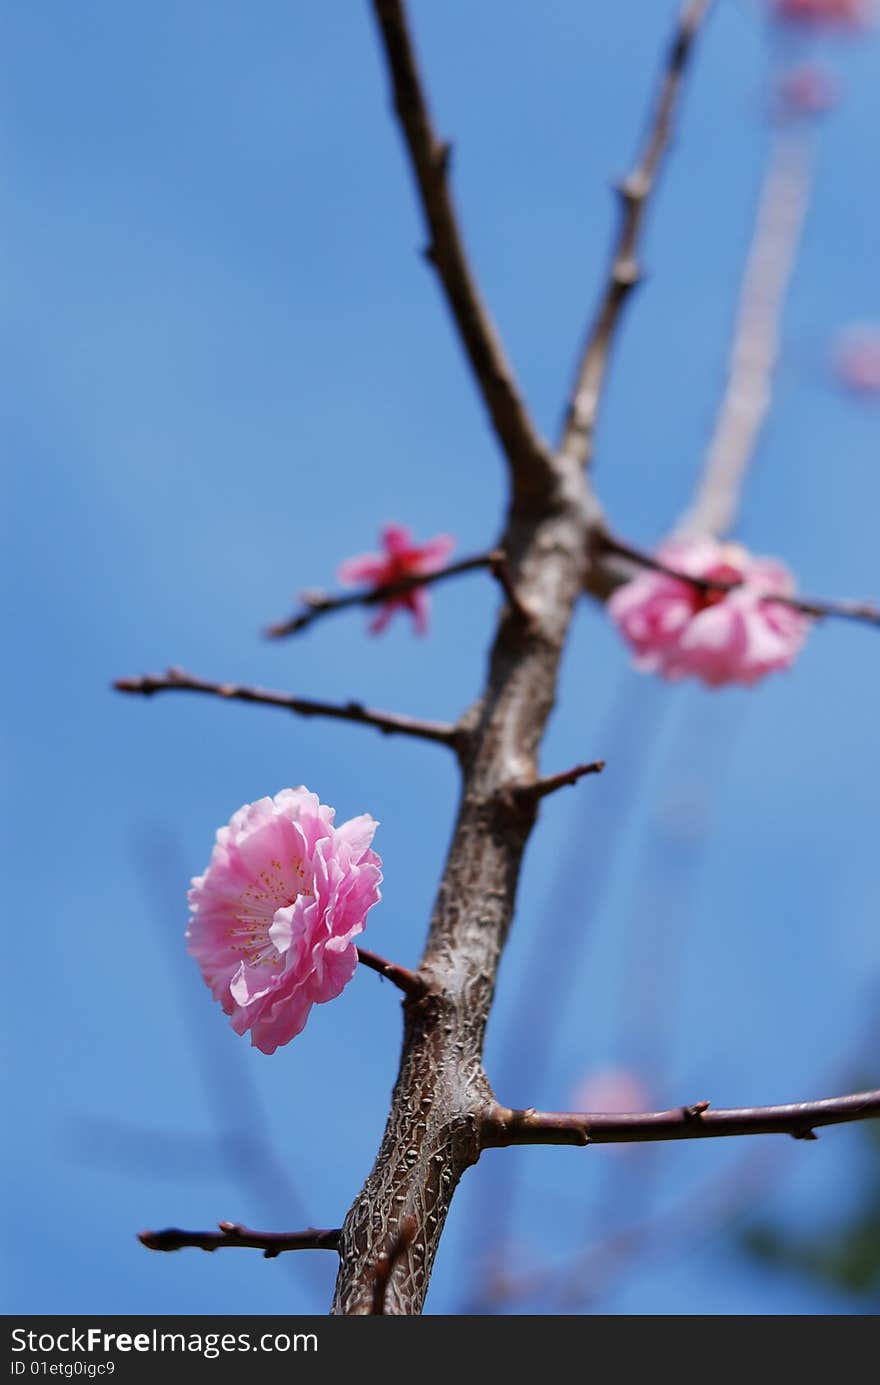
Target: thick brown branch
{"type": "Point", "coordinates": [176, 680]}
{"type": "Point", "coordinates": [271, 1243]}
{"type": "Point", "coordinates": [756, 337]}
{"type": "Point", "coordinates": [842, 610]}
{"type": "Point", "coordinates": [432, 1133]}
{"type": "Point", "coordinates": [384, 1267]}
{"type": "Point", "coordinates": [542, 787]}
{"type": "Point", "coordinates": [503, 576]}
{"type": "Point", "coordinates": [577, 435]}
{"type": "Point", "coordinates": [318, 604]}
{"type": "Point", "coordinates": [407, 981]}
{"type": "Point", "coordinates": [503, 1126]}
{"type": "Point", "coordinates": [527, 455]}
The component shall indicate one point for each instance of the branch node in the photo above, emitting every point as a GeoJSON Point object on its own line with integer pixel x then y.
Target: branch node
{"type": "Point", "coordinates": [533, 793]}
{"type": "Point", "coordinates": [443, 157]}
{"type": "Point", "coordinates": [498, 566]}
{"type": "Point", "coordinates": [692, 1113]}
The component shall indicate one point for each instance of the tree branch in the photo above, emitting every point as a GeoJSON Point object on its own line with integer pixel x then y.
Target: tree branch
{"type": "Point", "coordinates": [318, 604]}
{"type": "Point", "coordinates": [407, 981]}
{"type": "Point", "coordinates": [176, 680]}
{"type": "Point", "coordinates": [756, 339]}
{"type": "Point", "coordinates": [271, 1243]}
{"type": "Point", "coordinates": [527, 454]}
{"type": "Point", "coordinates": [580, 423]}
{"type": "Point", "coordinates": [842, 610]}
{"type": "Point", "coordinates": [503, 1126]}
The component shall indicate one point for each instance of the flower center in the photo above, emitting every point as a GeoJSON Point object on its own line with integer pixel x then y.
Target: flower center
{"type": "Point", "coordinates": [277, 886]}
{"type": "Point", "coordinates": [720, 572]}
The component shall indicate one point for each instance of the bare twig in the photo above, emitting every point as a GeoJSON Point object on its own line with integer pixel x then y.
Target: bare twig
{"type": "Point", "coordinates": [542, 787]}
{"type": "Point", "coordinates": [407, 981]}
{"type": "Point", "coordinates": [319, 604]}
{"type": "Point", "coordinates": [755, 349]}
{"type": "Point", "coordinates": [176, 680]}
{"type": "Point", "coordinates": [271, 1243]}
{"type": "Point", "coordinates": [818, 609]}
{"type": "Point", "coordinates": [384, 1267]}
{"type": "Point", "coordinates": [503, 1126]}
{"type": "Point", "coordinates": [527, 454]}
{"type": "Point", "coordinates": [625, 273]}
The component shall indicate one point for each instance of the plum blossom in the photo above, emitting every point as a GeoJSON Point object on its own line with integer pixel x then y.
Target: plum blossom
{"type": "Point", "coordinates": [806, 90]}
{"type": "Point", "coordinates": [276, 913]}
{"type": "Point", "coordinates": [839, 14]}
{"type": "Point", "coordinates": [857, 360]}
{"type": "Point", "coordinates": [402, 558]}
{"type": "Point", "coordinates": [678, 631]}
{"type": "Point", "coordinates": [611, 1090]}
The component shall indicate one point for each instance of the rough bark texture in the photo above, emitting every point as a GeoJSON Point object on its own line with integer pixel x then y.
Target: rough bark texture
{"type": "Point", "coordinates": [442, 1092]}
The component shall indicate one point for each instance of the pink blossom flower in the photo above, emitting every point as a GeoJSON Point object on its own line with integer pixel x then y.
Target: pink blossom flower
{"type": "Point", "coordinates": [678, 631]}
{"type": "Point", "coordinates": [402, 558]}
{"type": "Point", "coordinates": [275, 914]}
{"type": "Point", "coordinates": [840, 14]}
{"type": "Point", "coordinates": [806, 90]}
{"type": "Point", "coordinates": [857, 360]}
{"type": "Point", "coordinates": [611, 1090]}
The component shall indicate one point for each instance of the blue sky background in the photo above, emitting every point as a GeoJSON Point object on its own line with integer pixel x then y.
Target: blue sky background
{"type": "Point", "coordinates": [224, 365]}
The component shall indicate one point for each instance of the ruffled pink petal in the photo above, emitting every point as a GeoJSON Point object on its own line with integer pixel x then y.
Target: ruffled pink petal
{"type": "Point", "coordinates": [357, 834]}
{"type": "Point", "coordinates": [679, 632]}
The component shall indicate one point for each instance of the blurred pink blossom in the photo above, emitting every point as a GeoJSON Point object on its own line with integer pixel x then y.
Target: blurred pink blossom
{"type": "Point", "coordinates": [841, 14]}
{"type": "Point", "coordinates": [401, 558]}
{"type": "Point", "coordinates": [610, 1091]}
{"type": "Point", "coordinates": [808, 89]}
{"type": "Point", "coordinates": [679, 631]}
{"type": "Point", "coordinates": [276, 912]}
{"type": "Point", "coordinates": [857, 360]}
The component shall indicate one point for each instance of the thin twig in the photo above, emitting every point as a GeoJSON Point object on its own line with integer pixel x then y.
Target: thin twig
{"type": "Point", "coordinates": [503, 1126]}
{"type": "Point", "coordinates": [818, 609]}
{"type": "Point", "coordinates": [580, 423]}
{"type": "Point", "coordinates": [390, 723]}
{"type": "Point", "coordinates": [527, 455]}
{"type": "Point", "coordinates": [542, 787]}
{"type": "Point", "coordinates": [407, 981]}
{"type": "Point", "coordinates": [317, 604]}
{"type": "Point", "coordinates": [271, 1243]}
{"type": "Point", "coordinates": [756, 338]}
